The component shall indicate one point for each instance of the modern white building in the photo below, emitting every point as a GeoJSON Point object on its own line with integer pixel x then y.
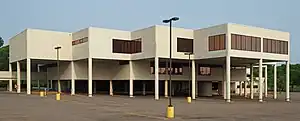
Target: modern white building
{"type": "Point", "coordinates": [97, 60]}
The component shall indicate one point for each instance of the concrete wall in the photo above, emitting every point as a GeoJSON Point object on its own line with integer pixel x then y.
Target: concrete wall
{"type": "Point", "coordinates": [18, 47]}
{"type": "Point", "coordinates": [201, 45]}
{"type": "Point", "coordinates": [205, 88]}
{"type": "Point", "coordinates": [148, 36]}
{"type": "Point", "coordinates": [101, 43]}
{"type": "Point", "coordinates": [163, 41]}
{"type": "Point", "coordinates": [41, 44]}
{"type": "Point", "coordinates": [80, 51]}
{"type": "Point", "coordinates": [34, 75]}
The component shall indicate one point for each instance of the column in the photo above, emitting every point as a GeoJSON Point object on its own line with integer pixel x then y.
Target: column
{"type": "Point", "coordinates": [90, 77]}
{"type": "Point", "coordinates": [266, 81]}
{"type": "Point", "coordinates": [252, 81]}
{"type": "Point", "coordinates": [227, 78]}
{"type": "Point", "coordinates": [275, 82]}
{"type": "Point", "coordinates": [287, 83]}
{"type": "Point", "coordinates": [10, 86]}
{"type": "Point", "coordinates": [18, 77]}
{"type": "Point", "coordinates": [111, 89]}
{"type": "Point", "coordinates": [38, 81]}
{"type": "Point", "coordinates": [245, 88]}
{"type": "Point", "coordinates": [28, 65]}
{"type": "Point", "coordinates": [156, 78]}
{"type": "Point", "coordinates": [72, 78]}
{"type": "Point", "coordinates": [131, 79]}
{"type": "Point", "coordinates": [224, 82]}
{"type": "Point", "coordinates": [166, 88]}
{"type": "Point", "coordinates": [260, 97]}
{"type": "Point", "coordinates": [193, 79]}
{"type": "Point", "coordinates": [241, 88]}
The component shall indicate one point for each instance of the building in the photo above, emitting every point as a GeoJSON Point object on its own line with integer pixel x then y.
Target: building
{"type": "Point", "coordinates": [97, 60]}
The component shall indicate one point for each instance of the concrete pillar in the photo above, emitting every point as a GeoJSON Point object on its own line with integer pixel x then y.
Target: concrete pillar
{"type": "Point", "coordinates": [245, 88]}
{"type": "Point", "coordinates": [224, 82]}
{"type": "Point", "coordinates": [287, 83]}
{"type": "Point", "coordinates": [260, 97]}
{"type": "Point", "coordinates": [275, 82]}
{"type": "Point", "coordinates": [251, 81]}
{"type": "Point", "coordinates": [166, 88]}
{"type": "Point", "coordinates": [131, 79]}
{"type": "Point", "coordinates": [266, 82]}
{"type": "Point", "coordinates": [111, 89]}
{"type": "Point", "coordinates": [72, 78]}
{"type": "Point", "coordinates": [28, 69]}
{"type": "Point", "coordinates": [18, 77]}
{"type": "Point", "coordinates": [90, 77]}
{"type": "Point", "coordinates": [38, 81]}
{"type": "Point", "coordinates": [193, 79]}
{"type": "Point", "coordinates": [241, 88]}
{"type": "Point", "coordinates": [10, 86]}
{"type": "Point", "coordinates": [156, 63]}
{"type": "Point", "coordinates": [228, 78]}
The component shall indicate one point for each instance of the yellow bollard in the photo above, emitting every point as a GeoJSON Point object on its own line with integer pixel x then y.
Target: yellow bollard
{"type": "Point", "coordinates": [57, 96]}
{"type": "Point", "coordinates": [189, 99]}
{"type": "Point", "coordinates": [170, 111]}
{"type": "Point", "coordinates": [42, 94]}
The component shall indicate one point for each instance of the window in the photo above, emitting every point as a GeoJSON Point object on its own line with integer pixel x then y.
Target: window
{"type": "Point", "coordinates": [217, 42]}
{"type": "Point", "coordinates": [79, 41]}
{"type": "Point", "coordinates": [204, 71]}
{"type": "Point", "coordinates": [184, 45]}
{"type": "Point", "coordinates": [246, 43]}
{"type": "Point", "coordinates": [127, 46]}
{"type": "Point", "coordinates": [275, 46]}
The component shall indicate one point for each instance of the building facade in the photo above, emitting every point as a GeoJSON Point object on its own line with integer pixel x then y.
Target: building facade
{"type": "Point", "coordinates": [95, 60]}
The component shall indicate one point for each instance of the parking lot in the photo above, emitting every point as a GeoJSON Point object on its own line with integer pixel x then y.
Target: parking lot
{"type": "Point", "coordinates": [22, 107]}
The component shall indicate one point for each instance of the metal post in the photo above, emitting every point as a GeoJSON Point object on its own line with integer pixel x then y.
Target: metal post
{"type": "Point", "coordinates": [190, 79]}
{"type": "Point", "coordinates": [58, 71]}
{"type": "Point", "coordinates": [170, 71]}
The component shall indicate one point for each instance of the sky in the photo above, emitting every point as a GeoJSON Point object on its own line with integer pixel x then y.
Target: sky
{"type": "Point", "coordinates": [73, 15]}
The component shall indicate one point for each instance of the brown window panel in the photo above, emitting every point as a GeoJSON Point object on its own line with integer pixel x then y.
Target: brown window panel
{"type": "Point", "coordinates": [217, 42]}
{"type": "Point", "coordinates": [233, 41]}
{"type": "Point", "coordinates": [222, 42]}
{"type": "Point", "coordinates": [238, 42]}
{"type": "Point", "coordinates": [248, 43]}
{"type": "Point", "coordinates": [126, 46]}
{"type": "Point", "coordinates": [253, 43]}
{"type": "Point", "coordinates": [185, 45]}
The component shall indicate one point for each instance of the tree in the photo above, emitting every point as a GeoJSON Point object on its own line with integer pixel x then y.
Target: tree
{"type": "Point", "coordinates": [4, 60]}
{"type": "Point", "coordinates": [1, 42]}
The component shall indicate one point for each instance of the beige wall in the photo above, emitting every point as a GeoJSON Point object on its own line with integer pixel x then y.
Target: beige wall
{"type": "Point", "coordinates": [18, 47]}
{"type": "Point", "coordinates": [65, 71]}
{"type": "Point", "coordinates": [148, 42]}
{"type": "Point", "coordinates": [100, 43]}
{"type": "Point", "coordinates": [163, 41]}
{"type": "Point", "coordinates": [80, 51]}
{"type": "Point", "coordinates": [41, 43]}
{"type": "Point", "coordinates": [201, 42]}
{"type": "Point", "coordinates": [34, 75]}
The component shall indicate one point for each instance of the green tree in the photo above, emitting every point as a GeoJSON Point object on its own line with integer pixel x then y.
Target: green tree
{"type": "Point", "coordinates": [1, 42]}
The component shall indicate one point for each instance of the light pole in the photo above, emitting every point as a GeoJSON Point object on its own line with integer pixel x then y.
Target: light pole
{"type": "Point", "coordinates": [57, 62]}
{"type": "Point", "coordinates": [189, 99]}
{"type": "Point", "coordinates": [170, 109]}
